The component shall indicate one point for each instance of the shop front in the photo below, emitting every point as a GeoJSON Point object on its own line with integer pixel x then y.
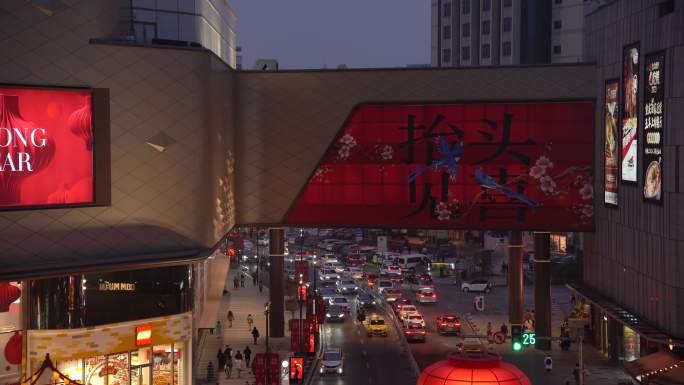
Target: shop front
{"type": "Point", "coordinates": [10, 332]}
{"type": "Point", "coordinates": [154, 351]}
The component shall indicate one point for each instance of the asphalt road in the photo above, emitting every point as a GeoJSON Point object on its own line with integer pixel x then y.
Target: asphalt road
{"type": "Point", "coordinates": [367, 360]}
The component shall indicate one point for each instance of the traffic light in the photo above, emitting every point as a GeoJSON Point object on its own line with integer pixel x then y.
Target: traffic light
{"type": "Point", "coordinates": [516, 338]}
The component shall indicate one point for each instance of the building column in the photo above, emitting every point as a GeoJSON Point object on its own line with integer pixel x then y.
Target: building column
{"type": "Point", "coordinates": [542, 289]}
{"type": "Point", "coordinates": [515, 278]}
{"type": "Point", "coordinates": [276, 248]}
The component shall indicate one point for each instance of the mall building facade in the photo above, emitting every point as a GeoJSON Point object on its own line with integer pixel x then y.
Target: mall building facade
{"type": "Point", "coordinates": [194, 148]}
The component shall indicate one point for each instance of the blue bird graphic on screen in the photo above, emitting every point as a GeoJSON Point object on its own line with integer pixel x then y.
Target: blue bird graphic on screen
{"type": "Point", "coordinates": [487, 181]}
{"type": "Point", "coordinates": [450, 158]}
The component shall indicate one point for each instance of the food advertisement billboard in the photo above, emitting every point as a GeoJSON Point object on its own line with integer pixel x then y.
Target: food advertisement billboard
{"type": "Point", "coordinates": [630, 112]}
{"type": "Point", "coordinates": [611, 155]}
{"type": "Point", "coordinates": [654, 109]}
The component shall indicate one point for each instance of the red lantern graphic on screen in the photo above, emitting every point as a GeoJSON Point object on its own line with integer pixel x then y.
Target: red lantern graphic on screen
{"type": "Point", "coordinates": [24, 149]}
{"type": "Point", "coordinates": [8, 294]}
{"type": "Point", "coordinates": [13, 349]}
{"type": "Point", "coordinates": [80, 124]}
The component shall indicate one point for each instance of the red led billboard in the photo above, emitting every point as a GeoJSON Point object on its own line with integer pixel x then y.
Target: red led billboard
{"type": "Point", "coordinates": [46, 147]}
{"type": "Point", "coordinates": [507, 166]}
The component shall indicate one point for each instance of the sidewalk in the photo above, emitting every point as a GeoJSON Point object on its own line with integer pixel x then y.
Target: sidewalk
{"type": "Point", "coordinates": [246, 300]}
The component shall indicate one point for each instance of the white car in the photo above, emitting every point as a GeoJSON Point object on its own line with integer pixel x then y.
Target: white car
{"type": "Point", "coordinates": [477, 285]}
{"type": "Point", "coordinates": [407, 310]}
{"type": "Point", "coordinates": [389, 268]}
{"type": "Point", "coordinates": [330, 258]}
{"type": "Point", "coordinates": [328, 275]}
{"type": "Point", "coordinates": [353, 272]}
{"type": "Point", "coordinates": [384, 284]}
{"type": "Point", "coordinates": [347, 286]}
{"type": "Point", "coordinates": [426, 295]}
{"type": "Point", "coordinates": [338, 267]}
{"type": "Point", "coordinates": [332, 361]}
{"type": "Point", "coordinates": [341, 302]}
{"type": "Point", "coordinates": [414, 318]}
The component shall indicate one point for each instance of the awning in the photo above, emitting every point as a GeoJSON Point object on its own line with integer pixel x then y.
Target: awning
{"type": "Point", "coordinates": [662, 368]}
{"type": "Point", "coordinates": [624, 316]}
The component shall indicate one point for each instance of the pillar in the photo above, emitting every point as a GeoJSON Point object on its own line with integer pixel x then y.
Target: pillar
{"type": "Point", "coordinates": [542, 289]}
{"type": "Point", "coordinates": [276, 248]}
{"type": "Point", "coordinates": [515, 278]}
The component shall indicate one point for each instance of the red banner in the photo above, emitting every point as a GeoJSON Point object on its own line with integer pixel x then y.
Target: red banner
{"type": "Point", "coordinates": [507, 166]}
{"type": "Point", "coordinates": [46, 147]}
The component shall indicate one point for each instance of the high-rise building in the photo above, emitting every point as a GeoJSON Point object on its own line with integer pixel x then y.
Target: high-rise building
{"type": "Point", "coordinates": [196, 23]}
{"type": "Point", "coordinates": [567, 28]}
{"type": "Point", "coordinates": [490, 32]}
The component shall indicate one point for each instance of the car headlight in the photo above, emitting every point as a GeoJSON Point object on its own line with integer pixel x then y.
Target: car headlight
{"type": "Point", "coordinates": [356, 288]}
{"type": "Point", "coordinates": [327, 315]}
{"type": "Point", "coordinates": [341, 315]}
{"type": "Point", "coordinates": [339, 370]}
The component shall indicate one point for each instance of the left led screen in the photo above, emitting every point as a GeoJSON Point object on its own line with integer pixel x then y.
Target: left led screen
{"type": "Point", "coordinates": [46, 147]}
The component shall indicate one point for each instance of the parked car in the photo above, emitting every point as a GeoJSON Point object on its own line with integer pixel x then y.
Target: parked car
{"type": "Point", "coordinates": [335, 313]}
{"type": "Point", "coordinates": [332, 361]}
{"type": "Point", "coordinates": [426, 295]}
{"type": "Point", "coordinates": [415, 332]}
{"type": "Point", "coordinates": [482, 285]}
{"type": "Point", "coordinates": [347, 286]}
{"type": "Point", "coordinates": [448, 323]}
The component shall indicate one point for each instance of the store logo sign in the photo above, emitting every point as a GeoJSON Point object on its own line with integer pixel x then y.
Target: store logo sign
{"type": "Point", "coordinates": [116, 286]}
{"type": "Point", "coordinates": [143, 335]}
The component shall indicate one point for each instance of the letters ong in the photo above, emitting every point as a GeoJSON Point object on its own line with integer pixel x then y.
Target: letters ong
{"type": "Point", "coordinates": [23, 139]}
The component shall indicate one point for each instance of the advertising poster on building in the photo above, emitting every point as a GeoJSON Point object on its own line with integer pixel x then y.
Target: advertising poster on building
{"type": "Point", "coordinates": [503, 166]}
{"type": "Point", "coordinates": [46, 147]}
{"type": "Point", "coordinates": [611, 154]}
{"type": "Point", "coordinates": [630, 112]}
{"type": "Point", "coordinates": [654, 92]}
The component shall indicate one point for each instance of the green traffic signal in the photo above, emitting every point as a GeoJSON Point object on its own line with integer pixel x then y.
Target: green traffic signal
{"type": "Point", "coordinates": [517, 346]}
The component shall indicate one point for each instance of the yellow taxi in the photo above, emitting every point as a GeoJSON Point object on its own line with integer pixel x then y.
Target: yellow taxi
{"type": "Point", "coordinates": [377, 326]}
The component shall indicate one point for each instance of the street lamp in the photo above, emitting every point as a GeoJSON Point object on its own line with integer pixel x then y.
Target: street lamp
{"type": "Point", "coordinates": [267, 310]}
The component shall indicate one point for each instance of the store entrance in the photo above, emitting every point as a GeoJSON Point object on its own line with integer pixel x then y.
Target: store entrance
{"type": "Point", "coordinates": [141, 375]}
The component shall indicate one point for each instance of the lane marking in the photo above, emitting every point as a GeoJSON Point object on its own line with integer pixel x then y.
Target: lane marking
{"type": "Point", "coordinates": [364, 352]}
{"type": "Point", "coordinates": [362, 342]}
{"type": "Point", "coordinates": [368, 366]}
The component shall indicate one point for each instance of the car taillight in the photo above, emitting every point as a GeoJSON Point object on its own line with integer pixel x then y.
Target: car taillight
{"type": "Point", "coordinates": [457, 323]}
{"type": "Point", "coordinates": [443, 324]}
{"type": "Point", "coordinates": [422, 332]}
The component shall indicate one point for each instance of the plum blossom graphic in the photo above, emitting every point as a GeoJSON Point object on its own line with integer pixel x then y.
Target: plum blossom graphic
{"type": "Point", "coordinates": [547, 184]}
{"type": "Point", "coordinates": [320, 173]}
{"type": "Point", "coordinates": [544, 162]}
{"type": "Point", "coordinates": [445, 211]}
{"type": "Point", "coordinates": [387, 152]}
{"type": "Point", "coordinates": [348, 140]}
{"type": "Point", "coordinates": [586, 192]}
{"type": "Point", "coordinates": [348, 143]}
{"type": "Point", "coordinates": [537, 172]}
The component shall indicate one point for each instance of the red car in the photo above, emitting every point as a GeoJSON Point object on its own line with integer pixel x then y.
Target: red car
{"type": "Point", "coordinates": [448, 324]}
{"type": "Point", "coordinates": [400, 303]}
{"type": "Point", "coordinates": [414, 332]}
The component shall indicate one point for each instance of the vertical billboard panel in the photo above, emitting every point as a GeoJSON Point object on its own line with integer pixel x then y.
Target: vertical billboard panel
{"type": "Point", "coordinates": [630, 112]}
{"type": "Point", "coordinates": [46, 147]}
{"type": "Point", "coordinates": [504, 166]}
{"type": "Point", "coordinates": [611, 156]}
{"type": "Point", "coordinates": [654, 97]}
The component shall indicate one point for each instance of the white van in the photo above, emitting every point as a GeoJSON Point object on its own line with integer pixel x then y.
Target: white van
{"type": "Point", "coordinates": [410, 261]}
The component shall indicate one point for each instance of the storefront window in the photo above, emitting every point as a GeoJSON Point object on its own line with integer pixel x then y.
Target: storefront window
{"type": "Point", "coordinates": [117, 369]}
{"type": "Point", "coordinates": [559, 243]}
{"type": "Point", "coordinates": [72, 369]}
{"type": "Point", "coordinates": [141, 356]}
{"type": "Point", "coordinates": [630, 344]}
{"type": "Point", "coordinates": [141, 375]}
{"type": "Point", "coordinates": [177, 363]}
{"type": "Point", "coordinates": [162, 365]}
{"type": "Point", "coordinates": [96, 370]}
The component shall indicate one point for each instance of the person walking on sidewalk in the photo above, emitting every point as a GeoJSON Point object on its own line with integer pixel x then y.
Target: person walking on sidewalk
{"type": "Point", "coordinates": [210, 372]}
{"type": "Point", "coordinates": [236, 283]}
{"type": "Point", "coordinates": [255, 335]}
{"type": "Point", "coordinates": [250, 321]}
{"type": "Point", "coordinates": [261, 287]}
{"type": "Point", "coordinates": [238, 363]}
{"type": "Point", "coordinates": [489, 331]}
{"type": "Point", "coordinates": [229, 367]}
{"type": "Point", "coordinates": [242, 280]}
{"type": "Point", "coordinates": [504, 329]}
{"type": "Point", "coordinates": [218, 328]}
{"type": "Point", "coordinates": [248, 354]}
{"type": "Point", "coordinates": [254, 280]}
{"type": "Point", "coordinates": [221, 358]}
{"type": "Point", "coordinates": [231, 318]}
{"type": "Point", "coordinates": [228, 352]}
{"type": "Point", "coordinates": [576, 374]}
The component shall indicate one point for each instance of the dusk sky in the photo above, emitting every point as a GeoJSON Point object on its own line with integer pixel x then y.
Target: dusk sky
{"type": "Point", "coordinates": [317, 33]}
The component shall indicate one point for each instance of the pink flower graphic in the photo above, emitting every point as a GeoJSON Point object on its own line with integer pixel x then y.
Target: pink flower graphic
{"type": "Point", "coordinates": [547, 184]}
{"type": "Point", "coordinates": [537, 172]}
{"type": "Point", "coordinates": [587, 192]}
{"type": "Point", "coordinates": [544, 162]}
{"type": "Point", "coordinates": [587, 211]}
{"type": "Point", "coordinates": [387, 152]}
{"type": "Point", "coordinates": [348, 141]}
{"type": "Point", "coordinates": [442, 211]}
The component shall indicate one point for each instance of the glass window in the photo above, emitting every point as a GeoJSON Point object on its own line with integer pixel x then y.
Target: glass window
{"type": "Point", "coordinates": [485, 51]}
{"type": "Point", "coordinates": [72, 369]}
{"type": "Point", "coordinates": [559, 243]}
{"type": "Point", "coordinates": [506, 48]}
{"type": "Point", "coordinates": [508, 3]}
{"type": "Point", "coordinates": [117, 369]}
{"type": "Point", "coordinates": [446, 55]}
{"type": "Point", "coordinates": [446, 32]}
{"type": "Point", "coordinates": [177, 363]}
{"type": "Point", "coordinates": [141, 356]}
{"type": "Point", "coordinates": [507, 24]}
{"type": "Point", "coordinates": [486, 27]}
{"type": "Point", "coordinates": [465, 53]}
{"type": "Point", "coordinates": [162, 365]}
{"type": "Point", "coordinates": [556, 49]}
{"type": "Point", "coordinates": [466, 7]}
{"type": "Point", "coordinates": [141, 375]}
{"type": "Point", "coordinates": [486, 5]}
{"type": "Point", "coordinates": [465, 30]}
{"type": "Point", "coordinates": [557, 24]}
{"type": "Point", "coordinates": [95, 370]}
{"type": "Point", "coordinates": [446, 12]}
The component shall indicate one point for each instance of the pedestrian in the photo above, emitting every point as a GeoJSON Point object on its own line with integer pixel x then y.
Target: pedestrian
{"type": "Point", "coordinates": [261, 287]}
{"type": "Point", "coordinates": [236, 282]}
{"type": "Point", "coordinates": [238, 363]}
{"type": "Point", "coordinates": [221, 359]}
{"type": "Point", "coordinates": [228, 352]}
{"type": "Point", "coordinates": [504, 329]}
{"type": "Point", "coordinates": [250, 321]}
{"type": "Point", "coordinates": [210, 372]}
{"type": "Point", "coordinates": [576, 374]}
{"type": "Point", "coordinates": [489, 330]}
{"type": "Point", "coordinates": [229, 367]}
{"type": "Point", "coordinates": [242, 280]}
{"type": "Point", "coordinates": [255, 334]}
{"type": "Point", "coordinates": [248, 354]}
{"type": "Point", "coordinates": [231, 318]}
{"type": "Point", "coordinates": [218, 328]}
{"type": "Point", "coordinates": [573, 299]}
{"type": "Point", "coordinates": [254, 280]}
{"type": "Point", "coordinates": [548, 363]}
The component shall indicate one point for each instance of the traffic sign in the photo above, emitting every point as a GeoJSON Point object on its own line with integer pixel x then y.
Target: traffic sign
{"type": "Point", "coordinates": [499, 338]}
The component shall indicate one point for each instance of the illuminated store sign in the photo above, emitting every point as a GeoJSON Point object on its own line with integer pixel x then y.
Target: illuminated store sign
{"type": "Point", "coordinates": [654, 92]}
{"type": "Point", "coordinates": [611, 156]}
{"type": "Point", "coordinates": [46, 147]}
{"type": "Point", "coordinates": [116, 286]}
{"type": "Point", "coordinates": [630, 113]}
{"type": "Point", "coordinates": [143, 335]}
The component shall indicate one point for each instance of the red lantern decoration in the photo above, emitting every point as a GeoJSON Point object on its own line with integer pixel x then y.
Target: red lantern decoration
{"type": "Point", "coordinates": [8, 294]}
{"type": "Point", "coordinates": [472, 368]}
{"type": "Point", "coordinates": [16, 148]}
{"type": "Point", "coordinates": [13, 349]}
{"type": "Point", "coordinates": [80, 124]}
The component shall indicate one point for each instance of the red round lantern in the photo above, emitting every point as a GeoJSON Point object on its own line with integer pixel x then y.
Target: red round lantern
{"type": "Point", "coordinates": [472, 368]}
{"type": "Point", "coordinates": [13, 349]}
{"type": "Point", "coordinates": [80, 123]}
{"type": "Point", "coordinates": [8, 294]}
